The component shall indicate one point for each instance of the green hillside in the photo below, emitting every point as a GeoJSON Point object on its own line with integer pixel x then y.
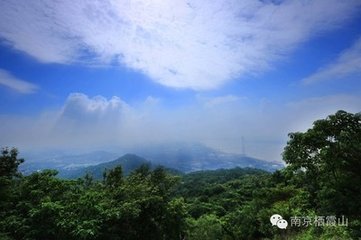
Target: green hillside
{"type": "Point", "coordinates": [317, 196]}
{"type": "Point", "coordinates": [128, 162]}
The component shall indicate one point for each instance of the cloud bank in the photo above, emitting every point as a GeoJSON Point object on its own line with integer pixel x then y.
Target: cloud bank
{"type": "Point", "coordinates": [182, 44]}
{"type": "Point", "coordinates": [97, 123]}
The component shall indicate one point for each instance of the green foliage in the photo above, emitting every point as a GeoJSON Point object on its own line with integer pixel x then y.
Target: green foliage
{"type": "Point", "coordinates": [322, 178]}
{"type": "Point", "coordinates": [113, 177]}
{"type": "Point", "coordinates": [9, 163]}
{"type": "Point", "coordinates": [46, 207]}
{"type": "Point", "coordinates": [329, 154]}
{"type": "Point", "coordinates": [8, 171]}
{"type": "Point", "coordinates": [207, 227]}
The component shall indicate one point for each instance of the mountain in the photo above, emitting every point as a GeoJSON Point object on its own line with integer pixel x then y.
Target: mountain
{"type": "Point", "coordinates": [188, 157]}
{"type": "Point", "coordinates": [183, 157]}
{"type": "Point", "coordinates": [128, 162]}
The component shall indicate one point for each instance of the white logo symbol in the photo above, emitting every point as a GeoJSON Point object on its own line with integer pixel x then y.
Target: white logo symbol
{"type": "Point", "coordinates": [277, 220]}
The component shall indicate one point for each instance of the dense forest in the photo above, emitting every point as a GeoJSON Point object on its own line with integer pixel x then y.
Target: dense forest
{"type": "Point", "coordinates": [321, 183]}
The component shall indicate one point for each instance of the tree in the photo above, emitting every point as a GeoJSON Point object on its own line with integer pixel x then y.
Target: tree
{"type": "Point", "coordinates": [8, 170]}
{"type": "Point", "coordinates": [113, 177]}
{"type": "Point", "coordinates": [9, 163]}
{"type": "Point", "coordinates": [328, 156]}
{"type": "Point", "coordinates": [207, 227]}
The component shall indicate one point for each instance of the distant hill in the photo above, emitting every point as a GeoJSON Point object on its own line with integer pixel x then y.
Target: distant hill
{"type": "Point", "coordinates": [176, 157]}
{"type": "Point", "coordinates": [189, 157]}
{"type": "Point", "coordinates": [128, 162]}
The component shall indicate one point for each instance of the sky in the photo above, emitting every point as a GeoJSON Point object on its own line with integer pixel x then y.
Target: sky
{"type": "Point", "coordinates": [116, 73]}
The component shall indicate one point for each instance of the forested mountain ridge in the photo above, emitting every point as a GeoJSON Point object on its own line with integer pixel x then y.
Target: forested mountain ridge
{"type": "Point", "coordinates": [179, 157]}
{"type": "Point", "coordinates": [320, 182]}
{"type": "Point", "coordinates": [128, 163]}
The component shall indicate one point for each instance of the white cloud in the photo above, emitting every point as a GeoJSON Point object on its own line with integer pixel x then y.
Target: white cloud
{"type": "Point", "coordinates": [97, 108]}
{"type": "Point", "coordinates": [91, 120]}
{"type": "Point", "coordinates": [347, 64]}
{"type": "Point", "coordinates": [21, 86]}
{"type": "Point", "coordinates": [182, 44]}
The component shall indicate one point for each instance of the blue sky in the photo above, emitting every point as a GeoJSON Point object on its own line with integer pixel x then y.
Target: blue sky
{"type": "Point", "coordinates": [87, 75]}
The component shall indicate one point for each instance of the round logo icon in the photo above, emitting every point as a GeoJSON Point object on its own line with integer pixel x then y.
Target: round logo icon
{"type": "Point", "coordinates": [278, 221]}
